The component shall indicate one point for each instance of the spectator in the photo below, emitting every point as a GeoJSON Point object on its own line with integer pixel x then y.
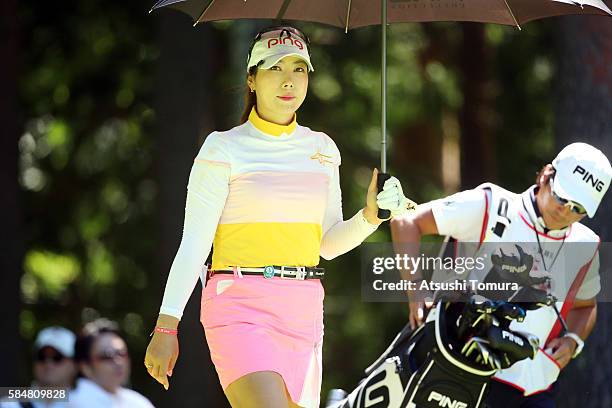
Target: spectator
{"type": "Point", "coordinates": [104, 367]}
{"type": "Point", "coordinates": [53, 365]}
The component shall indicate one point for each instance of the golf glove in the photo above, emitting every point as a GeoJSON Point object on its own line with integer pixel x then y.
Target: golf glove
{"type": "Point", "coordinates": [392, 198]}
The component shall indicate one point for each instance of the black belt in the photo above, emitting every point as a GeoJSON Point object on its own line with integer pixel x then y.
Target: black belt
{"type": "Point", "coordinates": [284, 272]}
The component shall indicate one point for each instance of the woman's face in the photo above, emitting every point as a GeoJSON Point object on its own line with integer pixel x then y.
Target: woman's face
{"type": "Point", "coordinates": [281, 90]}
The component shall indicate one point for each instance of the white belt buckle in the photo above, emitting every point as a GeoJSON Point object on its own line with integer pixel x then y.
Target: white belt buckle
{"type": "Point", "coordinates": [289, 275]}
{"type": "Point", "coordinates": [299, 274]}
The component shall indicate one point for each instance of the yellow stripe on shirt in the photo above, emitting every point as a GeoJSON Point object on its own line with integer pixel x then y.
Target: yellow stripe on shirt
{"type": "Point", "coordinates": [262, 244]}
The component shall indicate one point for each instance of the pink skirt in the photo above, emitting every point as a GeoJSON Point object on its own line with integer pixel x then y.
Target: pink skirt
{"type": "Point", "coordinates": [257, 324]}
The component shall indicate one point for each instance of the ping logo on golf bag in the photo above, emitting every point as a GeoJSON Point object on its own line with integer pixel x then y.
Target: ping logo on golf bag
{"type": "Point", "coordinates": [283, 41]}
{"type": "Point", "coordinates": [446, 402]}
{"type": "Point", "coordinates": [375, 394]}
{"type": "Point", "coordinates": [589, 178]}
{"type": "Point", "coordinates": [512, 338]}
{"type": "Point", "coordinates": [514, 269]}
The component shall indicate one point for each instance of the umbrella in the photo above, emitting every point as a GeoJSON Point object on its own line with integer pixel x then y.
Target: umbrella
{"type": "Point", "coordinates": [349, 14]}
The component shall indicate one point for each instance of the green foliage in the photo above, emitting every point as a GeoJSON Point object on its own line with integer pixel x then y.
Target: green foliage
{"type": "Point", "coordinates": [49, 273]}
{"type": "Point", "coordinates": [85, 162]}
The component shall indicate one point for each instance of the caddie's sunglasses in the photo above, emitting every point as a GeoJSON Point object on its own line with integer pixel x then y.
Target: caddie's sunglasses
{"type": "Point", "coordinates": [285, 30]}
{"type": "Point", "coordinates": [574, 206]}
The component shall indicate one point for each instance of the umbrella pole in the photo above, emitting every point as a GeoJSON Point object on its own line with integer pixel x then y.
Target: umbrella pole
{"type": "Point", "coordinates": [383, 175]}
{"type": "Point", "coordinates": [383, 92]}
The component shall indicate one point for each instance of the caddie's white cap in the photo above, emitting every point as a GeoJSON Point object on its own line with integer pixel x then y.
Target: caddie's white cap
{"type": "Point", "coordinates": [57, 337]}
{"type": "Point", "coordinates": [276, 45]}
{"type": "Point", "coordinates": [583, 174]}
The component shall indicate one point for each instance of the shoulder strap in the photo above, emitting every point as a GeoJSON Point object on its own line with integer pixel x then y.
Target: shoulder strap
{"type": "Point", "coordinates": [570, 298]}
{"type": "Point", "coordinates": [485, 219]}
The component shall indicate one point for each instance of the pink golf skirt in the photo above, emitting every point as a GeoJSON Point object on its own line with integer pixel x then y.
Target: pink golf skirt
{"type": "Point", "coordinates": [257, 324]}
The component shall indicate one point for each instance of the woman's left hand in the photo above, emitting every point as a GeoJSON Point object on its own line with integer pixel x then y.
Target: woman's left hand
{"type": "Point", "coordinates": [390, 198]}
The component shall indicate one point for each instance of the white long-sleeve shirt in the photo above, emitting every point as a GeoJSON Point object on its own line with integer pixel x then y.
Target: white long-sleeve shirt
{"type": "Point", "coordinates": [262, 194]}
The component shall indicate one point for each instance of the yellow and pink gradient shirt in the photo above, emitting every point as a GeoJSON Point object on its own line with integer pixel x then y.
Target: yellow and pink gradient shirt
{"type": "Point", "coordinates": [261, 194]}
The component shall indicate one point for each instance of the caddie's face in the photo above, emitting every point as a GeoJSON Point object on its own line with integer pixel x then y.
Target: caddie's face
{"type": "Point", "coordinates": [556, 215]}
{"type": "Point", "coordinates": [280, 90]}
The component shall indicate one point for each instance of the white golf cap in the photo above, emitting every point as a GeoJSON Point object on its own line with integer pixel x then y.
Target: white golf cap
{"type": "Point", "coordinates": [276, 45]}
{"type": "Point", "coordinates": [583, 174]}
{"type": "Point", "coordinates": [57, 337]}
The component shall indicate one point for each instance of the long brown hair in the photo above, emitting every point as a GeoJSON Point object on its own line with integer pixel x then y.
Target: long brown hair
{"type": "Point", "coordinates": [250, 98]}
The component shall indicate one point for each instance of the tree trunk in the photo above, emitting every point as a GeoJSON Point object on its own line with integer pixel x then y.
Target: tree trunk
{"type": "Point", "coordinates": [584, 113]}
{"type": "Point", "coordinates": [477, 153]}
{"type": "Point", "coordinates": [11, 244]}
{"type": "Point", "coordinates": [185, 106]}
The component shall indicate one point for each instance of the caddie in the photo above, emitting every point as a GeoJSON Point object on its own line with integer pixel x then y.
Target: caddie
{"type": "Point", "coordinates": [546, 215]}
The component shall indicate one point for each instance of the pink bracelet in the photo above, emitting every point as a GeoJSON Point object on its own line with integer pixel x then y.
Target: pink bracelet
{"type": "Point", "coordinates": [164, 330]}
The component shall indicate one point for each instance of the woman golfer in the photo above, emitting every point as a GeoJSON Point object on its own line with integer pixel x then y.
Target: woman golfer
{"type": "Point", "coordinates": [267, 195]}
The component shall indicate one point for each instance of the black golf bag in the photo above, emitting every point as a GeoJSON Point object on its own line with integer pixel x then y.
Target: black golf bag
{"type": "Point", "coordinates": [446, 363]}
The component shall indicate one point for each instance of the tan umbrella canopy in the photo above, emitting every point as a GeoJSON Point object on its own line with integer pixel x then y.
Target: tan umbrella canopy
{"type": "Point", "coordinates": [349, 14]}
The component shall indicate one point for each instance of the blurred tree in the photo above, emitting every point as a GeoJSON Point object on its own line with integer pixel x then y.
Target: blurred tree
{"type": "Point", "coordinates": [522, 100]}
{"type": "Point", "coordinates": [477, 137]}
{"type": "Point", "coordinates": [85, 164]}
{"type": "Point", "coordinates": [584, 113]}
{"type": "Point", "coordinates": [186, 100]}
{"type": "Point", "coordinates": [11, 246]}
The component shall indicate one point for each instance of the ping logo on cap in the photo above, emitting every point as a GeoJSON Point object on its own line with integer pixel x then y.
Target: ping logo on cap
{"type": "Point", "coordinates": [589, 178]}
{"type": "Point", "coordinates": [283, 41]}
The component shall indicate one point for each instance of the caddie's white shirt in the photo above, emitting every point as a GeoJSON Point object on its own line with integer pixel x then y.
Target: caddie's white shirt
{"type": "Point", "coordinates": [462, 216]}
{"type": "Point", "coordinates": [88, 394]}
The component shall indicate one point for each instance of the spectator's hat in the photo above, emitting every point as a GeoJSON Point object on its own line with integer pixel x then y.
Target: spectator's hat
{"type": "Point", "coordinates": [61, 339]}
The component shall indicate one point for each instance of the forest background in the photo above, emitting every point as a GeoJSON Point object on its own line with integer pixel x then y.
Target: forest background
{"type": "Point", "coordinates": [103, 108]}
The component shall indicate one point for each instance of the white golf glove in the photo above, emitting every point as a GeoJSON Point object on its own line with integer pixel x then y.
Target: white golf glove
{"type": "Point", "coordinates": [392, 198]}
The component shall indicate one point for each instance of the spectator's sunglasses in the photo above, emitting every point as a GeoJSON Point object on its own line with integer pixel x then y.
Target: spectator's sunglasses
{"type": "Point", "coordinates": [574, 206]}
{"type": "Point", "coordinates": [285, 31]}
{"type": "Point", "coordinates": [53, 356]}
{"type": "Point", "coordinates": [111, 354]}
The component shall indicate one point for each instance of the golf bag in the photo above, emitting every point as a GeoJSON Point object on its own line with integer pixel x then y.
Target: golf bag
{"type": "Point", "coordinates": [447, 362]}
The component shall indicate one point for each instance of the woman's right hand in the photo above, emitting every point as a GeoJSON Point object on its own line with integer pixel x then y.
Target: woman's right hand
{"type": "Point", "coordinates": [162, 352]}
